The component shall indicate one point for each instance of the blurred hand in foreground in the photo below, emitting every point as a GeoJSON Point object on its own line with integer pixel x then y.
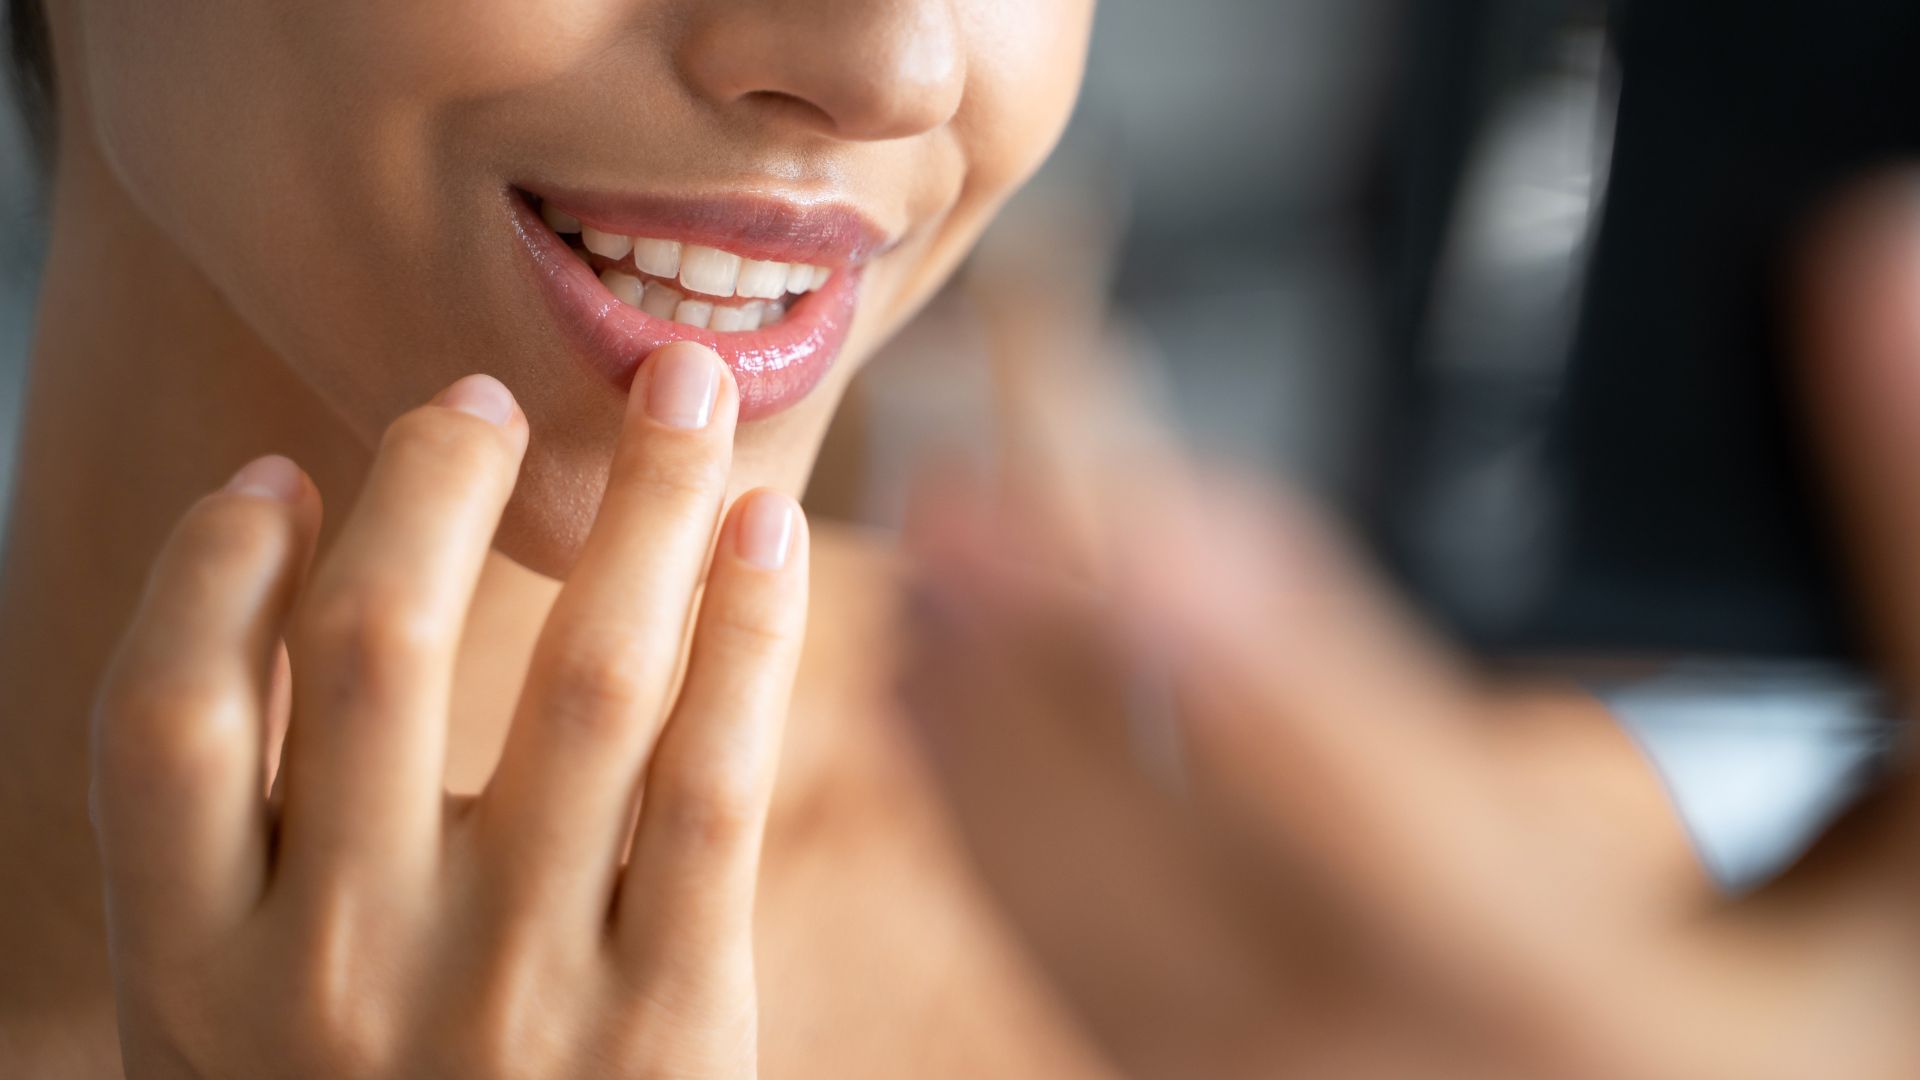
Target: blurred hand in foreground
{"type": "Point", "coordinates": [1255, 822]}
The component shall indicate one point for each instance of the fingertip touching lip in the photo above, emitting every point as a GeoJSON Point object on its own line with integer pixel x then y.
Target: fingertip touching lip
{"type": "Point", "coordinates": [771, 286]}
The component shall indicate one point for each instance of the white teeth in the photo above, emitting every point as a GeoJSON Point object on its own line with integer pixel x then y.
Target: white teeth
{"type": "Point", "coordinates": [744, 317]}
{"type": "Point", "coordinates": [558, 220]}
{"type": "Point", "coordinates": [625, 287]}
{"type": "Point", "coordinates": [726, 318]}
{"type": "Point", "coordinates": [610, 245]}
{"type": "Point", "coordinates": [660, 300]}
{"type": "Point", "coordinates": [804, 278]}
{"type": "Point", "coordinates": [766, 280]}
{"type": "Point", "coordinates": [704, 270]}
{"type": "Point", "coordinates": [708, 270]}
{"type": "Point", "coordinates": [693, 313]}
{"type": "Point", "coordinates": [661, 258]}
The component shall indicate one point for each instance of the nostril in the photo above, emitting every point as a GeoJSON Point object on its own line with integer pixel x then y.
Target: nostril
{"type": "Point", "coordinates": [782, 105]}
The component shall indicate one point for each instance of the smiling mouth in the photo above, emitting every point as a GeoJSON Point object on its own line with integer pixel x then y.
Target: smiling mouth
{"type": "Point", "coordinates": [769, 284]}
{"type": "Point", "coordinates": [707, 288]}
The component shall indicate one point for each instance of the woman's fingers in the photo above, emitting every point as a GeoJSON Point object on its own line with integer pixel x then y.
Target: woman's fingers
{"type": "Point", "coordinates": [1062, 771]}
{"type": "Point", "coordinates": [560, 806]}
{"type": "Point", "coordinates": [374, 638]}
{"type": "Point", "coordinates": [687, 897]}
{"type": "Point", "coordinates": [177, 790]}
{"type": "Point", "coordinates": [1863, 385]}
{"type": "Point", "coordinates": [1325, 713]}
{"type": "Point", "coordinates": [1862, 379]}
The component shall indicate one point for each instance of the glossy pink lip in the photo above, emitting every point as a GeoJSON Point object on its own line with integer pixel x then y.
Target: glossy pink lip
{"type": "Point", "coordinates": [773, 367]}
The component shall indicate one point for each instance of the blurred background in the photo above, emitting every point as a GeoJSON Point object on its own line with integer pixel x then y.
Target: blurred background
{"type": "Point", "coordinates": [1505, 282]}
{"type": "Point", "coordinates": [21, 241]}
{"type": "Point", "coordinates": [1499, 280]}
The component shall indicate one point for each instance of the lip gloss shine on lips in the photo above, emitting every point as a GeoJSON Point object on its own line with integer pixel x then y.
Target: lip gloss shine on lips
{"type": "Point", "coordinates": [774, 366]}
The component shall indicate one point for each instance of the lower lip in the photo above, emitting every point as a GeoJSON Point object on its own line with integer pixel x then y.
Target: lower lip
{"type": "Point", "coordinates": [774, 367]}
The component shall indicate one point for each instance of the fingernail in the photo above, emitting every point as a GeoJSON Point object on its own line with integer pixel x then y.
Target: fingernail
{"type": "Point", "coordinates": [270, 477]}
{"type": "Point", "coordinates": [682, 385]}
{"type": "Point", "coordinates": [766, 529]}
{"type": "Point", "coordinates": [479, 395]}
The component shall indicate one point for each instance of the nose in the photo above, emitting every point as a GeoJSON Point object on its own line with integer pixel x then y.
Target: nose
{"type": "Point", "coordinates": [853, 69]}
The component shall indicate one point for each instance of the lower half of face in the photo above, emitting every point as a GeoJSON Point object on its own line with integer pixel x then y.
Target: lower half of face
{"type": "Point", "coordinates": [396, 195]}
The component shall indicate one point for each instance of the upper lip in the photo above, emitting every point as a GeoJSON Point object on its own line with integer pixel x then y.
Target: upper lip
{"type": "Point", "coordinates": [754, 226]}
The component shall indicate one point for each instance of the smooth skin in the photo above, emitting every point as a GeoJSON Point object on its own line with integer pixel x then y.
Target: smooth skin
{"type": "Point", "coordinates": [1329, 847]}
{"type": "Point", "coordinates": [399, 932]}
{"type": "Point", "coordinates": [277, 227]}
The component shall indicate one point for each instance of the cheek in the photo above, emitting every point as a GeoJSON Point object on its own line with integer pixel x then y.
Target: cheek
{"type": "Point", "coordinates": [161, 82]}
{"type": "Point", "coordinates": [451, 50]}
{"type": "Point", "coordinates": [1025, 62]}
{"type": "Point", "coordinates": [179, 92]}
{"type": "Point", "coordinates": [1024, 75]}
{"type": "Point", "coordinates": [292, 149]}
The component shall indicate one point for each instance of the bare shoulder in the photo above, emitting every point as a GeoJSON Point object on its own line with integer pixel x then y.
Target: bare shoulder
{"type": "Point", "coordinates": [879, 954]}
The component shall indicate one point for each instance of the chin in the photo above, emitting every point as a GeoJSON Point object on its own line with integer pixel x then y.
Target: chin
{"type": "Point", "coordinates": [546, 523]}
{"type": "Point", "coordinates": [564, 477]}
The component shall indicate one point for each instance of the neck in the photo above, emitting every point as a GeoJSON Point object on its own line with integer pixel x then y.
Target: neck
{"type": "Point", "coordinates": [145, 391]}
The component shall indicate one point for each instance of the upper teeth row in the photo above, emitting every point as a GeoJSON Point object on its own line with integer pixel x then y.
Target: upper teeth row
{"type": "Point", "coordinates": [701, 269]}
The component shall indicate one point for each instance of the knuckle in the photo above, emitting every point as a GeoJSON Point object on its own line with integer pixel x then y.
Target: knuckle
{"type": "Point", "coordinates": [331, 1044]}
{"type": "Point", "coordinates": [596, 681]}
{"type": "Point", "coordinates": [499, 1026]}
{"type": "Point", "coordinates": [714, 802]}
{"type": "Point", "coordinates": [220, 531]}
{"type": "Point", "coordinates": [753, 633]}
{"type": "Point", "coordinates": [374, 634]}
{"type": "Point", "coordinates": [339, 1006]}
{"type": "Point", "coordinates": [165, 734]}
{"type": "Point", "coordinates": [681, 468]}
{"type": "Point", "coordinates": [651, 1043]}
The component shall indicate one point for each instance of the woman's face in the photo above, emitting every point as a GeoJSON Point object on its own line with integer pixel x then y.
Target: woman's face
{"type": "Point", "coordinates": [393, 193]}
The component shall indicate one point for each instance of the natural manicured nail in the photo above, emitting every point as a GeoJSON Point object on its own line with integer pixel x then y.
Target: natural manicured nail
{"type": "Point", "coordinates": [270, 477]}
{"type": "Point", "coordinates": [682, 385]}
{"type": "Point", "coordinates": [766, 529]}
{"type": "Point", "coordinates": [479, 395]}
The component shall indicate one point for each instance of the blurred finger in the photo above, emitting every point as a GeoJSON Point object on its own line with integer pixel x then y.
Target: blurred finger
{"type": "Point", "coordinates": [1336, 728]}
{"type": "Point", "coordinates": [1025, 708]}
{"type": "Point", "coordinates": [1075, 400]}
{"type": "Point", "coordinates": [1863, 387]}
{"type": "Point", "coordinates": [1336, 758]}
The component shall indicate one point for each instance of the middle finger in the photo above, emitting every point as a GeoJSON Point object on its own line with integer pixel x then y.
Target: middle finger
{"type": "Point", "coordinates": [374, 636]}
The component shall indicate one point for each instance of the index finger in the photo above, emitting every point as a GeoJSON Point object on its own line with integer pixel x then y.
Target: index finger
{"type": "Point", "coordinates": [559, 808]}
{"type": "Point", "coordinates": [1862, 383]}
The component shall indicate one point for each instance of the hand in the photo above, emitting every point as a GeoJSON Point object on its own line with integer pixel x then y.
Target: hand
{"type": "Point", "coordinates": [1256, 822]}
{"type": "Point", "coordinates": [365, 925]}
